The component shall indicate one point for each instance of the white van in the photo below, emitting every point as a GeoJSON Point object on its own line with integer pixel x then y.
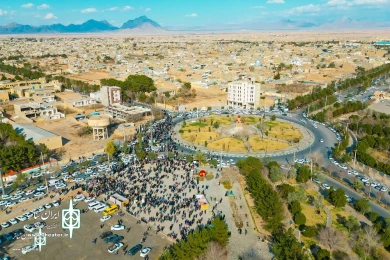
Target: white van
{"type": "Point", "coordinates": [52, 182]}
{"type": "Point", "coordinates": [101, 208]}
{"type": "Point", "coordinates": [92, 205]}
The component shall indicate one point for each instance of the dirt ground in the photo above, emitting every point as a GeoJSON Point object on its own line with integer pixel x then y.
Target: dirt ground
{"type": "Point", "coordinates": [383, 107]}
{"type": "Point", "coordinates": [74, 145]}
{"type": "Point", "coordinates": [93, 76]}
{"type": "Point", "coordinates": [257, 144]}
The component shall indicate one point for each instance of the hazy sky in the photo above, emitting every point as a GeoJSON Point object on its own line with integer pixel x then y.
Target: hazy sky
{"type": "Point", "coordinates": [192, 12]}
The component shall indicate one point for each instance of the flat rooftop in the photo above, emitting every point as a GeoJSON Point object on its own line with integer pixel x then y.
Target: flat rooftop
{"type": "Point", "coordinates": [31, 132]}
{"type": "Point", "coordinates": [128, 110]}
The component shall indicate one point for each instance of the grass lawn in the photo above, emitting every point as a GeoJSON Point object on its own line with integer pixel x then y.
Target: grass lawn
{"type": "Point", "coordinates": [231, 145]}
{"type": "Point", "coordinates": [338, 214]}
{"type": "Point", "coordinates": [312, 218]}
{"type": "Point", "coordinates": [199, 138]}
{"type": "Point", "coordinates": [223, 120]}
{"type": "Point", "coordinates": [282, 130]}
{"type": "Point", "coordinates": [257, 144]}
{"type": "Point", "coordinates": [247, 120]}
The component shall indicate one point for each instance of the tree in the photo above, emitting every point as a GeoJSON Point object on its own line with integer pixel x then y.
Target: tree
{"type": "Point", "coordinates": [299, 219]}
{"type": "Point", "coordinates": [303, 174]}
{"type": "Point", "coordinates": [189, 159]}
{"type": "Point", "coordinates": [318, 202]}
{"type": "Point", "coordinates": [385, 237]}
{"type": "Point", "coordinates": [286, 246]}
{"type": "Point", "coordinates": [322, 254]}
{"type": "Point", "coordinates": [152, 155]}
{"type": "Point", "coordinates": [275, 174]}
{"type": "Point", "coordinates": [251, 253]}
{"type": "Point", "coordinates": [219, 231]}
{"type": "Point", "coordinates": [295, 207]}
{"type": "Point", "coordinates": [298, 195]}
{"type": "Point", "coordinates": [214, 162]}
{"type": "Point", "coordinates": [292, 173]}
{"type": "Point", "coordinates": [337, 197]}
{"type": "Point", "coordinates": [273, 118]}
{"type": "Point", "coordinates": [285, 189]}
{"type": "Point", "coordinates": [372, 237]}
{"type": "Point", "coordinates": [331, 237]}
{"type": "Point", "coordinates": [110, 149]}
{"type": "Point", "coordinates": [213, 251]}
{"type": "Point", "coordinates": [363, 205]}
{"type": "Point", "coordinates": [200, 157]}
{"type": "Point", "coordinates": [357, 185]}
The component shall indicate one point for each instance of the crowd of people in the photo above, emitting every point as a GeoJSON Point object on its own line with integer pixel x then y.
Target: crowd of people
{"type": "Point", "coordinates": [161, 191]}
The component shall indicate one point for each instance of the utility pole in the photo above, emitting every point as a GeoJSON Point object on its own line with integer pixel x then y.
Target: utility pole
{"type": "Point", "coordinates": [354, 161]}
{"type": "Point", "coordinates": [1, 182]}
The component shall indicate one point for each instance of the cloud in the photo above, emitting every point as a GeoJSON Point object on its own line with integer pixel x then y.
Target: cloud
{"type": "Point", "coordinates": [305, 9]}
{"type": "Point", "coordinates": [127, 8]}
{"type": "Point", "coordinates": [44, 6]}
{"type": "Point", "coordinates": [50, 16]}
{"type": "Point", "coordinates": [29, 5]}
{"type": "Point", "coordinates": [192, 15]}
{"type": "Point", "coordinates": [275, 2]}
{"type": "Point", "coordinates": [113, 8]}
{"type": "Point", "coordinates": [148, 9]}
{"type": "Point", "coordinates": [3, 12]}
{"type": "Point", "coordinates": [370, 2]}
{"type": "Point", "coordinates": [258, 7]}
{"type": "Point", "coordinates": [89, 10]}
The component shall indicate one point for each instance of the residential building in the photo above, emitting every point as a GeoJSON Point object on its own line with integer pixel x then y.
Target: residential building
{"type": "Point", "coordinates": [110, 95]}
{"type": "Point", "coordinates": [244, 94]}
{"type": "Point", "coordinates": [122, 112]}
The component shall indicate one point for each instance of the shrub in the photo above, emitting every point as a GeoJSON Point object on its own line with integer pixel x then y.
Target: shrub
{"type": "Point", "coordinates": [299, 219]}
{"type": "Point", "coordinates": [209, 176]}
{"type": "Point", "coordinates": [309, 231]}
{"type": "Point", "coordinates": [295, 207]}
{"type": "Point", "coordinates": [227, 185]}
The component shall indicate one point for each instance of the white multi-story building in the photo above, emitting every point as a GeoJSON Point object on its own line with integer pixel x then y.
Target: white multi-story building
{"type": "Point", "coordinates": [244, 94]}
{"type": "Point", "coordinates": [108, 95]}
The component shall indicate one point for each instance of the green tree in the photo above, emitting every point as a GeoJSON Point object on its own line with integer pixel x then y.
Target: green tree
{"type": "Point", "coordinates": [299, 219]}
{"type": "Point", "coordinates": [322, 254]}
{"type": "Point", "coordinates": [295, 207]}
{"type": "Point", "coordinates": [214, 162]}
{"type": "Point", "coordinates": [152, 155]}
{"type": "Point", "coordinates": [171, 155]}
{"type": "Point", "coordinates": [352, 224]}
{"type": "Point", "coordinates": [287, 247]}
{"type": "Point", "coordinates": [385, 237]}
{"type": "Point", "coordinates": [275, 174]}
{"type": "Point", "coordinates": [303, 174]}
{"type": "Point", "coordinates": [140, 153]}
{"type": "Point", "coordinates": [110, 149]}
{"type": "Point", "coordinates": [285, 189]}
{"type": "Point", "coordinates": [273, 118]}
{"type": "Point", "coordinates": [249, 165]}
{"type": "Point", "coordinates": [189, 158]}
{"type": "Point", "coordinates": [200, 157]}
{"type": "Point", "coordinates": [298, 195]}
{"type": "Point", "coordinates": [363, 205]}
{"type": "Point", "coordinates": [357, 185]}
{"type": "Point", "coordinates": [337, 197]}
{"type": "Point", "coordinates": [219, 231]}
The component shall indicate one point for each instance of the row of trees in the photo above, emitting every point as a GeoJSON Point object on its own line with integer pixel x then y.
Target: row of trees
{"type": "Point", "coordinates": [25, 73]}
{"type": "Point", "coordinates": [380, 129]}
{"type": "Point", "coordinates": [363, 156]}
{"type": "Point", "coordinates": [17, 153]}
{"type": "Point", "coordinates": [132, 85]}
{"type": "Point", "coordinates": [201, 243]}
{"type": "Point", "coordinates": [319, 94]}
{"type": "Point", "coordinates": [349, 107]}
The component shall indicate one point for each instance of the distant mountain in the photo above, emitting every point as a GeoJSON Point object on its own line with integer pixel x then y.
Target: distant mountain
{"type": "Point", "coordinates": [138, 22]}
{"type": "Point", "coordinates": [90, 26]}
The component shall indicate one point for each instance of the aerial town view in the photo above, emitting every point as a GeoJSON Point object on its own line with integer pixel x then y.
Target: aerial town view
{"type": "Point", "coordinates": [201, 130]}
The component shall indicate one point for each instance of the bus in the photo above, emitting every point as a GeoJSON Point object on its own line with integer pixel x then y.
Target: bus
{"type": "Point", "coordinates": [110, 210]}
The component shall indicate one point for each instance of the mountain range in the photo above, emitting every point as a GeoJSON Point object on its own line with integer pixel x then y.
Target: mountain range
{"type": "Point", "coordinates": [90, 26]}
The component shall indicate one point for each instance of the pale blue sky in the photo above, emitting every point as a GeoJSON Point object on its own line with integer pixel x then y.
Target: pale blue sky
{"type": "Point", "coordinates": [192, 13]}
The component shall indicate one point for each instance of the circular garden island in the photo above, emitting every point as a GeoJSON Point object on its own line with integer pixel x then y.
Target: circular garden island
{"type": "Point", "coordinates": [235, 133]}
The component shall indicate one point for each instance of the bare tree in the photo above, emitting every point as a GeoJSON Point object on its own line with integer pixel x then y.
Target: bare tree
{"type": "Point", "coordinates": [316, 157]}
{"type": "Point", "coordinates": [251, 253]}
{"type": "Point", "coordinates": [372, 237]}
{"type": "Point", "coordinates": [229, 175]}
{"type": "Point", "coordinates": [331, 237]}
{"type": "Point", "coordinates": [380, 195]}
{"type": "Point", "coordinates": [214, 251]}
{"type": "Point", "coordinates": [133, 118]}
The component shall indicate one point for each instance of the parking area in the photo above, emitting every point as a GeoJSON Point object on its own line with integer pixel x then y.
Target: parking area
{"type": "Point", "coordinates": [60, 246]}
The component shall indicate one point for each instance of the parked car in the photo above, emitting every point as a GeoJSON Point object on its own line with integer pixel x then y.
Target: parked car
{"type": "Point", "coordinates": [105, 234]}
{"type": "Point", "coordinates": [118, 227]}
{"type": "Point", "coordinates": [29, 228]}
{"type": "Point", "coordinates": [115, 247]}
{"type": "Point", "coordinates": [79, 198]}
{"type": "Point", "coordinates": [105, 218]}
{"type": "Point", "coordinates": [135, 249]}
{"type": "Point", "coordinates": [28, 249]}
{"type": "Point", "coordinates": [326, 186]}
{"type": "Point", "coordinates": [316, 180]}
{"type": "Point", "coordinates": [110, 238]}
{"type": "Point", "coordinates": [144, 252]}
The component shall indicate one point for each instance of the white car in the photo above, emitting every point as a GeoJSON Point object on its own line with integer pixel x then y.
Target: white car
{"type": "Point", "coordinates": [79, 198]}
{"type": "Point", "coordinates": [10, 204]}
{"type": "Point", "coordinates": [365, 179]}
{"type": "Point", "coordinates": [6, 197]}
{"type": "Point", "coordinates": [36, 175]}
{"type": "Point", "coordinates": [350, 172]}
{"type": "Point", "coordinates": [105, 218]}
{"type": "Point", "coordinates": [29, 228]}
{"type": "Point", "coordinates": [22, 200]}
{"type": "Point", "coordinates": [40, 209]}
{"type": "Point", "coordinates": [321, 140]}
{"type": "Point", "coordinates": [28, 249]}
{"type": "Point", "coordinates": [16, 197]}
{"type": "Point", "coordinates": [29, 192]}
{"type": "Point", "coordinates": [89, 199]}
{"type": "Point", "coordinates": [29, 215]}
{"type": "Point", "coordinates": [48, 206]}
{"type": "Point", "coordinates": [19, 192]}
{"type": "Point", "coordinates": [41, 187]}
{"type": "Point", "coordinates": [115, 247]}
{"type": "Point", "coordinates": [60, 185]}
{"type": "Point", "coordinates": [39, 193]}
{"type": "Point", "coordinates": [383, 189]}
{"type": "Point", "coordinates": [13, 221]}
{"type": "Point", "coordinates": [374, 184]}
{"type": "Point", "coordinates": [326, 186]}
{"type": "Point", "coordinates": [56, 203]}
{"type": "Point", "coordinates": [3, 202]}
{"type": "Point", "coordinates": [40, 224]}
{"type": "Point", "coordinates": [21, 218]}
{"type": "Point", "coordinates": [144, 252]}
{"type": "Point", "coordinates": [5, 224]}
{"type": "Point", "coordinates": [118, 227]}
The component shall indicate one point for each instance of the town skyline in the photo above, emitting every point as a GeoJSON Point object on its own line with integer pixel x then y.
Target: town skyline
{"type": "Point", "coordinates": [256, 15]}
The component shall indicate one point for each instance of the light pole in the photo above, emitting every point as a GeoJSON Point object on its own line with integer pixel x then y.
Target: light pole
{"type": "Point", "coordinates": [1, 181]}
